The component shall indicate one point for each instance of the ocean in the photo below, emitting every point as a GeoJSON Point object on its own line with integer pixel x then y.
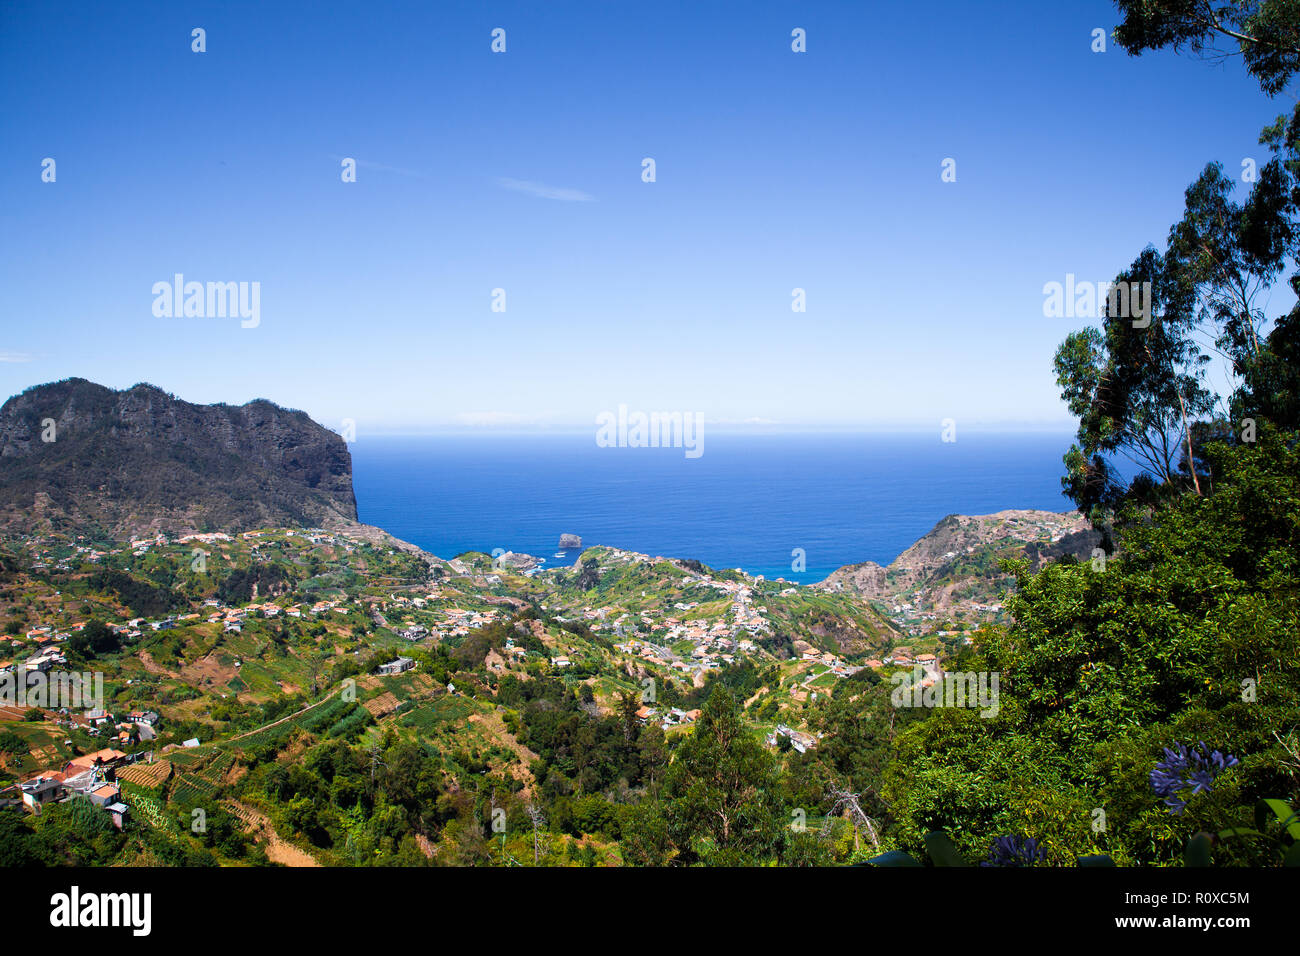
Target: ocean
{"type": "Point", "coordinates": [749, 501]}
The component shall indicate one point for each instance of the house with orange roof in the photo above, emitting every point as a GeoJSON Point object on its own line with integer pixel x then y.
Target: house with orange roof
{"type": "Point", "coordinates": [104, 795]}
{"type": "Point", "coordinates": [107, 760]}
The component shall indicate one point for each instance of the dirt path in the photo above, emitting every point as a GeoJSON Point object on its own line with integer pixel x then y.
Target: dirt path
{"type": "Point", "coordinates": [296, 713]}
{"type": "Point", "coordinates": [277, 850]}
{"type": "Point", "coordinates": [152, 666]}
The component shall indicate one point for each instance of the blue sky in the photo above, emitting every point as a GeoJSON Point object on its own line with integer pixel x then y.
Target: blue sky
{"type": "Point", "coordinates": [775, 170]}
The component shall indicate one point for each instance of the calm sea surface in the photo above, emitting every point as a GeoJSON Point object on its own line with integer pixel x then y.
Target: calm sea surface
{"type": "Point", "coordinates": [747, 502]}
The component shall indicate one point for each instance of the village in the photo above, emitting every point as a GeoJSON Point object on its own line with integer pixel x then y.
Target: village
{"type": "Point", "coordinates": [701, 623]}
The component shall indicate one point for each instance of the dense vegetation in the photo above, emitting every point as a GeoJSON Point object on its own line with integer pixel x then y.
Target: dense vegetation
{"type": "Point", "coordinates": [1190, 633]}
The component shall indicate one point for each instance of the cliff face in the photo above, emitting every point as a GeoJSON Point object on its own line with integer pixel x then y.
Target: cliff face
{"type": "Point", "coordinates": [141, 460]}
{"type": "Point", "coordinates": [957, 560]}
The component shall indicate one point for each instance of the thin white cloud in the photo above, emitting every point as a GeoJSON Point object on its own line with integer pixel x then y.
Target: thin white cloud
{"type": "Point", "coordinates": [543, 191]}
{"type": "Point", "coordinates": [15, 357]}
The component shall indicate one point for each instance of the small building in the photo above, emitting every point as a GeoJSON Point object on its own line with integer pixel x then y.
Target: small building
{"type": "Point", "coordinates": [43, 789]}
{"type": "Point", "coordinates": [103, 796]}
{"type": "Point", "coordinates": [398, 666]}
{"type": "Point", "coordinates": [118, 811]}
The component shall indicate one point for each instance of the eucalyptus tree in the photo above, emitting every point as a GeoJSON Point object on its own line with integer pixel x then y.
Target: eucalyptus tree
{"type": "Point", "coordinates": [1207, 362]}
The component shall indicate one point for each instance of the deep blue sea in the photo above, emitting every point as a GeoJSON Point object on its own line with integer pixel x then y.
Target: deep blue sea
{"type": "Point", "coordinates": [747, 502]}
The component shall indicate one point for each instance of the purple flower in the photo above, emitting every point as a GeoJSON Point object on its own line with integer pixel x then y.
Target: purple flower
{"type": "Point", "coordinates": [1185, 768]}
{"type": "Point", "coordinates": [1015, 851]}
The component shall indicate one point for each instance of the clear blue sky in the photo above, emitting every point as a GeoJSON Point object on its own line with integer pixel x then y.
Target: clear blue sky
{"type": "Point", "coordinates": [775, 170]}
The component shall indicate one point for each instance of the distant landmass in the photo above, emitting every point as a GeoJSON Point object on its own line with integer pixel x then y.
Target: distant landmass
{"type": "Point", "coordinates": [77, 455]}
{"type": "Point", "coordinates": [956, 566]}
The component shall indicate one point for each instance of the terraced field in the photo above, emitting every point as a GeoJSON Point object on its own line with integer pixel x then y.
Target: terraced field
{"type": "Point", "coordinates": [430, 717]}
{"type": "Point", "coordinates": [278, 729]}
{"type": "Point", "coordinates": [149, 776]}
{"type": "Point", "coordinates": [190, 788]}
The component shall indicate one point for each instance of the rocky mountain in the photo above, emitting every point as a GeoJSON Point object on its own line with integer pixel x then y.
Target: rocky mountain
{"type": "Point", "coordinates": [74, 454]}
{"type": "Point", "coordinates": [957, 562]}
